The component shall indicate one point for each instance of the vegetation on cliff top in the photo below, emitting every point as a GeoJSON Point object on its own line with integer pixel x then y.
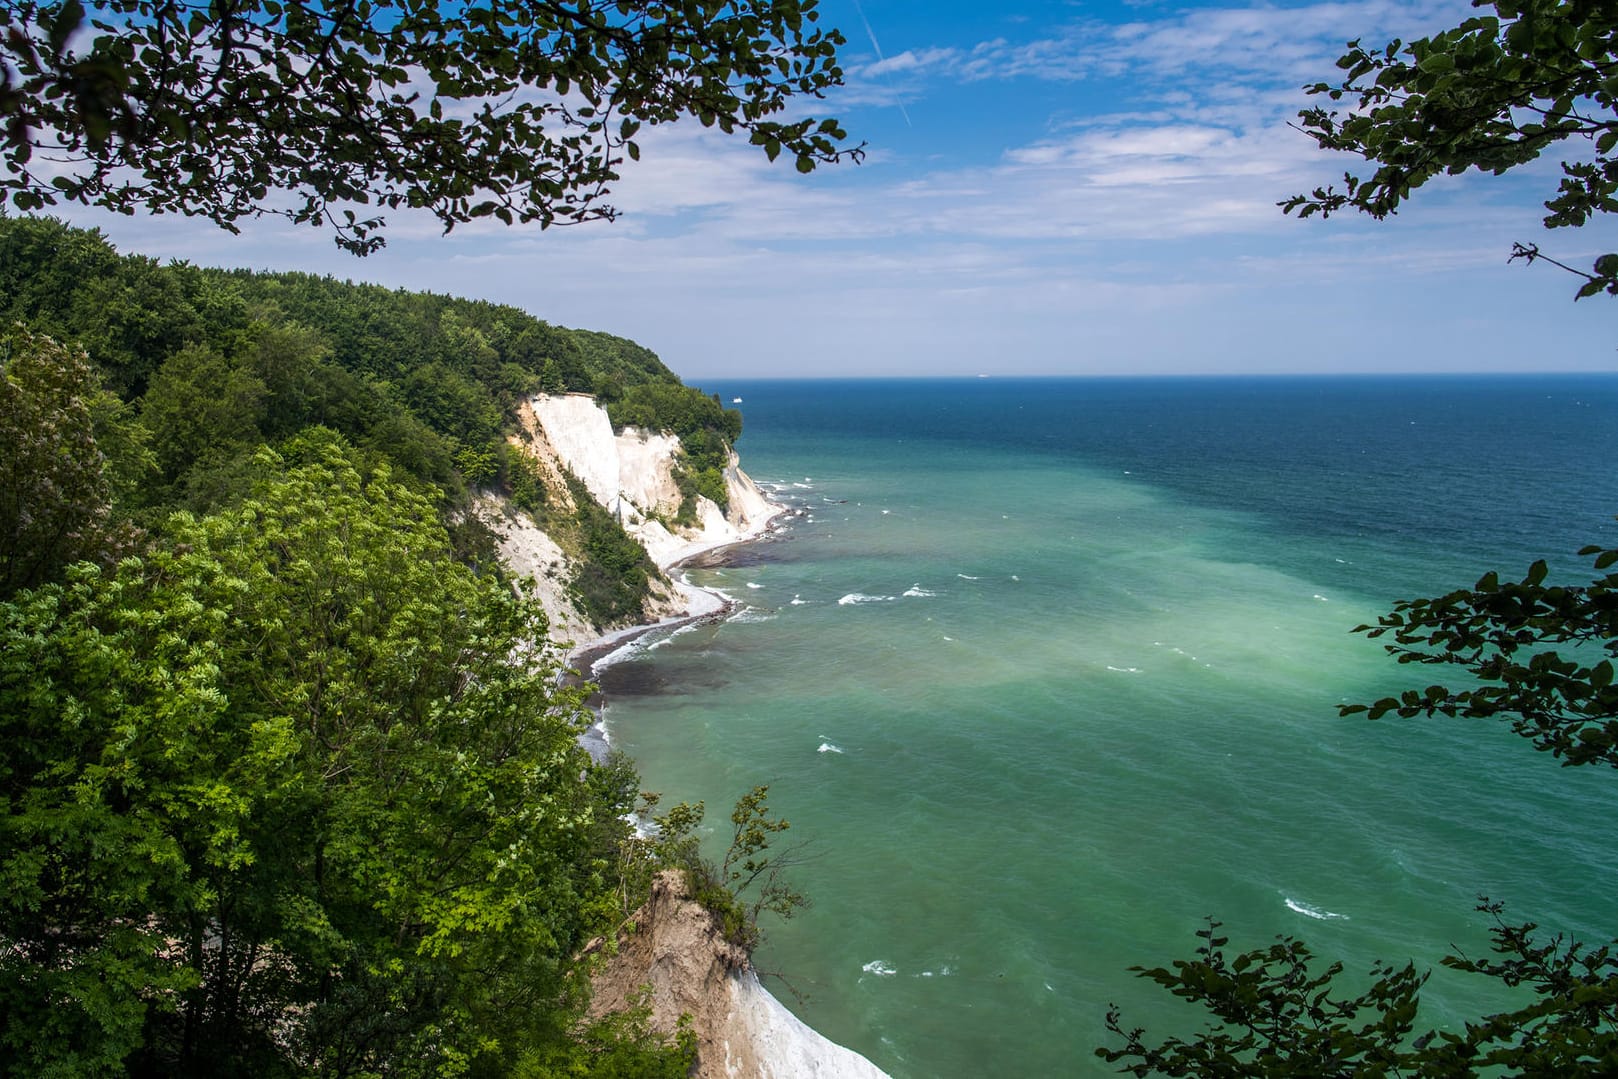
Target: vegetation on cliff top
{"type": "Point", "coordinates": [210, 365]}
{"type": "Point", "coordinates": [277, 799]}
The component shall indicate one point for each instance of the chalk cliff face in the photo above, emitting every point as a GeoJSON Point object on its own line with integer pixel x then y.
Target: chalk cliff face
{"type": "Point", "coordinates": [742, 1031]}
{"type": "Point", "coordinates": [631, 475]}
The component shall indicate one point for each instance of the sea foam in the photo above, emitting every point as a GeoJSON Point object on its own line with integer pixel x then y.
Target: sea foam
{"type": "Point", "coordinates": [860, 597]}
{"type": "Point", "coordinates": [1312, 912]}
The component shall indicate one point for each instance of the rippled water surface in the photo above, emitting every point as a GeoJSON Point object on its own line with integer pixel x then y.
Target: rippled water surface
{"type": "Point", "coordinates": [1044, 672]}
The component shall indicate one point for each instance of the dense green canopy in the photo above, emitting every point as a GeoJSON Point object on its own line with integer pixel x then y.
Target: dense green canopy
{"type": "Point", "coordinates": [213, 364]}
{"type": "Point", "coordinates": [294, 787]}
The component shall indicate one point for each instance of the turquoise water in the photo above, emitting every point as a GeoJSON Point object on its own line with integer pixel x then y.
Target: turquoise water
{"type": "Point", "coordinates": [1045, 672]}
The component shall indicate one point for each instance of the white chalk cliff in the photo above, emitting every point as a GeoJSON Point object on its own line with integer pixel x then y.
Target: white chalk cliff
{"type": "Point", "coordinates": [743, 1032]}
{"type": "Point", "coordinates": [631, 474]}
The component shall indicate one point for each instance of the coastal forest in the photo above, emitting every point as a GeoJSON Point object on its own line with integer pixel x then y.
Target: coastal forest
{"type": "Point", "coordinates": [291, 783]}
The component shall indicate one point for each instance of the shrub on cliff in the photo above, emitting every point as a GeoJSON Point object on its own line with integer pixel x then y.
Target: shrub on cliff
{"type": "Point", "coordinates": [611, 573]}
{"type": "Point", "coordinates": [749, 880]}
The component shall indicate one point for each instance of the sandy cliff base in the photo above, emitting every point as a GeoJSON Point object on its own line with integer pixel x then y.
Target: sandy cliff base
{"type": "Point", "coordinates": [742, 1031]}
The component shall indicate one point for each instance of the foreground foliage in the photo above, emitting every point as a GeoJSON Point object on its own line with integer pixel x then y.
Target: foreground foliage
{"type": "Point", "coordinates": [292, 790]}
{"type": "Point", "coordinates": [516, 111]}
{"type": "Point", "coordinates": [1542, 656]}
{"type": "Point", "coordinates": [1492, 94]}
{"type": "Point", "coordinates": [1280, 1013]}
{"type": "Point", "coordinates": [1539, 656]}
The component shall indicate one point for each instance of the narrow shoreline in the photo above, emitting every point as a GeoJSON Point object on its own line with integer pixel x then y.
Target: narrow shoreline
{"type": "Point", "coordinates": [768, 1034]}
{"type": "Point", "coordinates": [702, 606]}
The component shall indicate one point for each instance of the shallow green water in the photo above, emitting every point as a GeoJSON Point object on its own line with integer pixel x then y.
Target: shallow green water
{"type": "Point", "coordinates": [1045, 674]}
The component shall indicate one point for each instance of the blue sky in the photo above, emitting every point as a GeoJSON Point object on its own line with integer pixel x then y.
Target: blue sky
{"type": "Point", "coordinates": [1050, 188]}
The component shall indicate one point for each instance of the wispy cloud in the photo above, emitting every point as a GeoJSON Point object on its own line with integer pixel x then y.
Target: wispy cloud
{"type": "Point", "coordinates": [1265, 42]}
{"type": "Point", "coordinates": [1143, 231]}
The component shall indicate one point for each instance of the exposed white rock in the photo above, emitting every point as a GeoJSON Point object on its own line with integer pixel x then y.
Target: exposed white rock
{"type": "Point", "coordinates": [529, 552]}
{"type": "Point", "coordinates": [631, 474]}
{"type": "Point", "coordinates": [580, 433]}
{"type": "Point", "coordinates": [782, 1046]}
{"type": "Point", "coordinates": [646, 468]}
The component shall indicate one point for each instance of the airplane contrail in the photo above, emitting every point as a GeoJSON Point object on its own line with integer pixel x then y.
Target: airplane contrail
{"type": "Point", "coordinates": [877, 45]}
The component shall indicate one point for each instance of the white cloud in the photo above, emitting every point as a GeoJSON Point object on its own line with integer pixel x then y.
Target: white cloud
{"type": "Point", "coordinates": [1148, 232]}
{"type": "Point", "coordinates": [1262, 42]}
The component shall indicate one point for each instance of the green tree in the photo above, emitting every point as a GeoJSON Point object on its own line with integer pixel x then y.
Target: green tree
{"type": "Point", "coordinates": [1491, 94]}
{"type": "Point", "coordinates": [202, 405]}
{"type": "Point", "coordinates": [294, 790]}
{"type": "Point", "coordinates": [519, 111]}
{"type": "Point", "coordinates": [750, 878]}
{"type": "Point", "coordinates": [56, 482]}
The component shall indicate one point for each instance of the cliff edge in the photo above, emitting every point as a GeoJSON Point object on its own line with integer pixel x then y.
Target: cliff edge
{"type": "Point", "coordinates": [631, 474]}
{"type": "Point", "coordinates": [742, 1031]}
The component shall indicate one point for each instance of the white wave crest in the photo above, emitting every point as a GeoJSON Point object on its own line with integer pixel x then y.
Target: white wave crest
{"type": "Point", "coordinates": [690, 627]}
{"type": "Point", "coordinates": [968, 577]}
{"type": "Point", "coordinates": [1312, 912]}
{"type": "Point", "coordinates": [827, 747]}
{"type": "Point", "coordinates": [877, 966]}
{"type": "Point", "coordinates": [917, 592]}
{"type": "Point", "coordinates": [860, 597]}
{"type": "Point", "coordinates": [752, 614]}
{"type": "Point", "coordinates": [1123, 670]}
{"type": "Point", "coordinates": [797, 600]}
{"type": "Point", "coordinates": [754, 584]}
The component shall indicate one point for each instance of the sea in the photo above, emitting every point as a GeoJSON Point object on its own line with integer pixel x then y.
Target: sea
{"type": "Point", "coordinates": [1044, 675]}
